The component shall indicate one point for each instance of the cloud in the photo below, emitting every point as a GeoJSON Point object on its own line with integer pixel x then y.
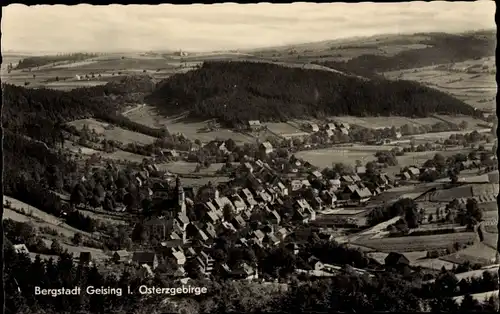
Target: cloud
{"type": "Point", "coordinates": [226, 26]}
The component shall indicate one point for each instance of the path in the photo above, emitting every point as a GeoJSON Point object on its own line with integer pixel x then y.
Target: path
{"type": "Point", "coordinates": [134, 109]}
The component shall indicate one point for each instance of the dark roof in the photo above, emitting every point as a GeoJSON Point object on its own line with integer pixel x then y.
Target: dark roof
{"type": "Point", "coordinates": [144, 257]}
{"type": "Point", "coordinates": [85, 256]}
{"type": "Point", "coordinates": [394, 259]}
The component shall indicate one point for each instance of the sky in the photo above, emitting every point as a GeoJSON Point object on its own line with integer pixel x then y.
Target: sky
{"type": "Point", "coordinates": [118, 28]}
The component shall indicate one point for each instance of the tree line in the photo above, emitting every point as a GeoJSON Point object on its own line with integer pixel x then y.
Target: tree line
{"type": "Point", "coordinates": [235, 92]}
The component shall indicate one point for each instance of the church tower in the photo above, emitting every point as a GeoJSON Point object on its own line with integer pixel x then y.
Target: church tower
{"type": "Point", "coordinates": [181, 197]}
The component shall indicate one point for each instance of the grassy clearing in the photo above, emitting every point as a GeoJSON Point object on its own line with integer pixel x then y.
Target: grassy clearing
{"type": "Point", "coordinates": [114, 133]}
{"type": "Point", "coordinates": [491, 229]}
{"type": "Point", "coordinates": [434, 263]}
{"type": "Point", "coordinates": [325, 157]}
{"type": "Point", "coordinates": [481, 297]}
{"type": "Point", "coordinates": [472, 81]}
{"type": "Point", "coordinates": [97, 254]}
{"type": "Point", "coordinates": [421, 243]}
{"type": "Point", "coordinates": [32, 211]}
{"type": "Point", "coordinates": [182, 167]}
{"type": "Point", "coordinates": [148, 116]}
{"type": "Point", "coordinates": [102, 217]}
{"type": "Point", "coordinates": [478, 253]}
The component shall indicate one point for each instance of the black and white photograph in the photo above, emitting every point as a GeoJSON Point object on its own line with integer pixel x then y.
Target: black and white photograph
{"type": "Point", "coordinates": [250, 158]}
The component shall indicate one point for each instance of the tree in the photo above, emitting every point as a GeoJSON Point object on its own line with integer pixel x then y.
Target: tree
{"type": "Point", "coordinates": [228, 212]}
{"type": "Point", "coordinates": [473, 209]}
{"type": "Point", "coordinates": [77, 238]}
{"type": "Point", "coordinates": [56, 247]}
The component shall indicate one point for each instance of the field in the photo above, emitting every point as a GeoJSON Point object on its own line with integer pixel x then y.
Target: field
{"type": "Point", "coordinates": [31, 211]}
{"type": "Point", "coordinates": [445, 135]}
{"type": "Point", "coordinates": [106, 218]}
{"type": "Point", "coordinates": [478, 253]}
{"type": "Point", "coordinates": [384, 122]}
{"type": "Point", "coordinates": [147, 115]}
{"type": "Point", "coordinates": [481, 297]}
{"type": "Point", "coordinates": [182, 167]}
{"type": "Point", "coordinates": [365, 153]}
{"type": "Point", "coordinates": [472, 81]}
{"type": "Point", "coordinates": [97, 254]}
{"type": "Point", "coordinates": [421, 243]}
{"type": "Point", "coordinates": [114, 133]}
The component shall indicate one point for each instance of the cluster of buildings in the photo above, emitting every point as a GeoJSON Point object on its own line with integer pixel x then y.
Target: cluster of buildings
{"type": "Point", "coordinates": [329, 129]}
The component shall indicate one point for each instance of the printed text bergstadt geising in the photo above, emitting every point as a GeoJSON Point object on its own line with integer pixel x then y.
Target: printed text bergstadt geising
{"type": "Point", "coordinates": [143, 290]}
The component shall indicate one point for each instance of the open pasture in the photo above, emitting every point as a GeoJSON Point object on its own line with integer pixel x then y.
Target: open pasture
{"type": "Point", "coordinates": [325, 157]}
{"type": "Point", "coordinates": [31, 211]}
{"type": "Point", "coordinates": [282, 128]}
{"type": "Point", "coordinates": [472, 123]}
{"type": "Point", "coordinates": [385, 122]}
{"type": "Point", "coordinates": [148, 115]}
{"type": "Point", "coordinates": [479, 253]}
{"type": "Point", "coordinates": [481, 297]}
{"type": "Point", "coordinates": [472, 81]}
{"type": "Point", "coordinates": [420, 243]}
{"type": "Point", "coordinates": [113, 219]}
{"type": "Point", "coordinates": [97, 254]}
{"type": "Point", "coordinates": [182, 167]}
{"type": "Point", "coordinates": [111, 132]}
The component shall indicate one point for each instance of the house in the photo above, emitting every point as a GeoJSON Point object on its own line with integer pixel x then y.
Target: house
{"type": "Point", "coordinates": [221, 202]}
{"type": "Point", "coordinates": [246, 272]}
{"type": "Point", "coordinates": [145, 258]}
{"type": "Point", "coordinates": [316, 175]}
{"type": "Point", "coordinates": [282, 233]}
{"type": "Point", "coordinates": [274, 217]}
{"type": "Point", "coordinates": [329, 133]}
{"type": "Point", "coordinates": [361, 195]}
{"type": "Point", "coordinates": [406, 175]}
{"type": "Point", "coordinates": [293, 247]}
{"type": "Point", "coordinates": [397, 261]}
{"type": "Point", "coordinates": [282, 189]}
{"type": "Point", "coordinates": [347, 180]}
{"type": "Point", "coordinates": [334, 184]}
{"type": "Point", "coordinates": [21, 249]}
{"type": "Point", "coordinates": [312, 127]}
{"type": "Point", "coordinates": [247, 196]}
{"type": "Point", "coordinates": [121, 256]}
{"type": "Point", "coordinates": [266, 148]}
{"type": "Point", "coordinates": [238, 203]}
{"type": "Point", "coordinates": [178, 257]}
{"type": "Point", "coordinates": [264, 197]}
{"type": "Point", "coordinates": [205, 263]}
{"type": "Point", "coordinates": [296, 185]}
{"type": "Point", "coordinates": [330, 127]}
{"type": "Point", "coordinates": [258, 235]}
{"type": "Point", "coordinates": [85, 258]}
{"type": "Point", "coordinates": [414, 172]}
{"type": "Point", "coordinates": [210, 230]}
{"type": "Point", "coordinates": [345, 125]}
{"type": "Point", "coordinates": [398, 135]}
{"type": "Point", "coordinates": [360, 170]}
{"type": "Point", "coordinates": [271, 240]}
{"type": "Point", "coordinates": [355, 178]}
{"type": "Point", "coordinates": [169, 153]}
{"type": "Point", "coordinates": [254, 125]}
{"type": "Point", "coordinates": [211, 217]}
{"type": "Point", "coordinates": [317, 203]}
{"type": "Point", "coordinates": [328, 198]}
{"type": "Point", "coordinates": [238, 222]}
{"type": "Point", "coordinates": [229, 226]}
{"type": "Point", "coordinates": [344, 131]}
{"type": "Point", "coordinates": [159, 227]}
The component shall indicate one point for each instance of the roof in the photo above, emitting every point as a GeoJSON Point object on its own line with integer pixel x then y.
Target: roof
{"type": "Point", "coordinates": [352, 188]}
{"type": "Point", "coordinates": [360, 169]}
{"type": "Point", "coordinates": [364, 193]}
{"type": "Point", "coordinates": [240, 220]}
{"type": "Point", "coordinates": [317, 174]}
{"type": "Point", "coordinates": [213, 215]}
{"type": "Point", "coordinates": [223, 201]}
{"type": "Point", "coordinates": [347, 178]}
{"type": "Point", "coordinates": [276, 215]}
{"type": "Point", "coordinates": [178, 255]}
{"type": "Point", "coordinates": [254, 122]}
{"type": "Point", "coordinates": [267, 145]}
{"type": "Point", "coordinates": [21, 248]}
{"type": "Point", "coordinates": [122, 253]}
{"type": "Point", "coordinates": [183, 218]}
{"type": "Point", "coordinates": [396, 258]}
{"type": "Point", "coordinates": [85, 256]}
{"type": "Point", "coordinates": [414, 171]}
{"type": "Point", "coordinates": [143, 257]}
{"type": "Point", "coordinates": [210, 206]}
{"type": "Point", "coordinates": [259, 234]}
{"type": "Point", "coordinates": [272, 238]}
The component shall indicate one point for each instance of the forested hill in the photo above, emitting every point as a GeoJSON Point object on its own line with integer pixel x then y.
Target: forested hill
{"type": "Point", "coordinates": [235, 92]}
{"type": "Point", "coordinates": [441, 48]}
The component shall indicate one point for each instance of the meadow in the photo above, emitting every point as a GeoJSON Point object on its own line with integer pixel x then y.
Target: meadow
{"type": "Point", "coordinates": [147, 115]}
{"type": "Point", "coordinates": [472, 81]}
{"type": "Point", "coordinates": [111, 132]}
{"type": "Point", "coordinates": [420, 243]}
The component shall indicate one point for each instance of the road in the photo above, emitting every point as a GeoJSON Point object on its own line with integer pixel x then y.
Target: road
{"type": "Point", "coordinates": [134, 109]}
